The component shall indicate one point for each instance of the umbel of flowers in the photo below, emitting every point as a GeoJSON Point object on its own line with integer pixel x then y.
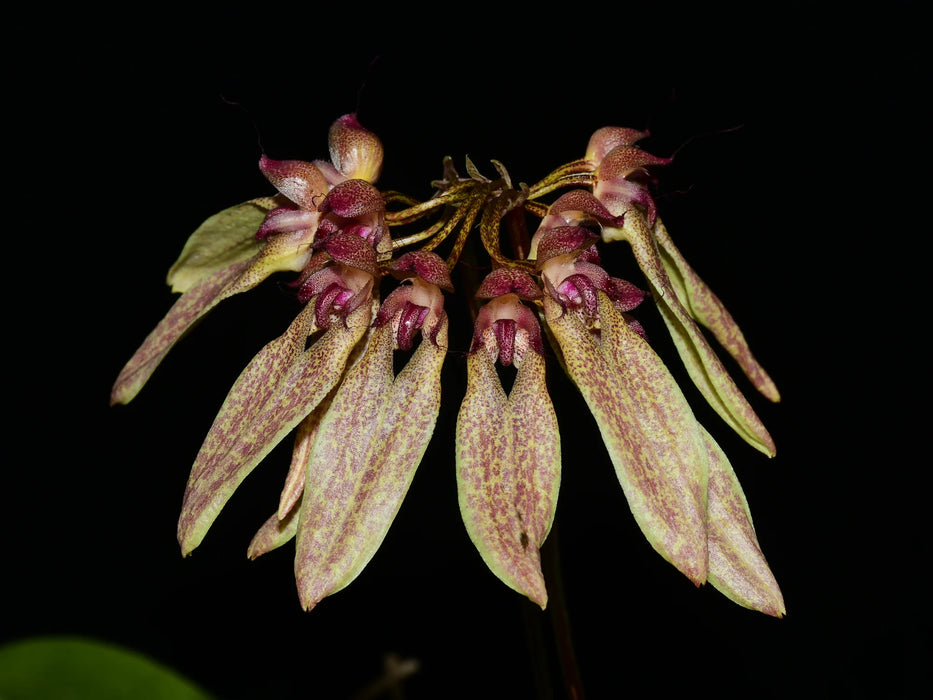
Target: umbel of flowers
{"type": "Point", "coordinates": [360, 430]}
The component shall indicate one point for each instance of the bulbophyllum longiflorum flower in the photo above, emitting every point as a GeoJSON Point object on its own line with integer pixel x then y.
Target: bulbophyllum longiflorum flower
{"type": "Point", "coordinates": [361, 429]}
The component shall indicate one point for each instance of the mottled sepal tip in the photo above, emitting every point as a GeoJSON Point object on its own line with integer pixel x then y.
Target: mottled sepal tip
{"type": "Point", "coordinates": [737, 567]}
{"type": "Point", "coordinates": [651, 434]}
{"type": "Point", "coordinates": [226, 238]}
{"type": "Point", "coordinates": [302, 182]}
{"type": "Point", "coordinates": [351, 199]}
{"type": "Point", "coordinates": [355, 152]}
{"type": "Point", "coordinates": [609, 137]}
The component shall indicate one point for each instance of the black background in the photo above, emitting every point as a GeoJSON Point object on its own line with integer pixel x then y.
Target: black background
{"type": "Point", "coordinates": [795, 192]}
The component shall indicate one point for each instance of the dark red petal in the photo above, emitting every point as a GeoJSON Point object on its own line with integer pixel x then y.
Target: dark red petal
{"type": "Point", "coordinates": [352, 198]}
{"type": "Point", "coordinates": [609, 137]}
{"type": "Point", "coordinates": [352, 251]}
{"type": "Point", "coordinates": [428, 266]}
{"type": "Point", "coordinates": [505, 337]}
{"type": "Point", "coordinates": [505, 280]}
{"type": "Point", "coordinates": [621, 161]}
{"type": "Point", "coordinates": [561, 240]}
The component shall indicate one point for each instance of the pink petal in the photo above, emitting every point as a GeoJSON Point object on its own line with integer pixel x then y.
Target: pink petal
{"type": "Point", "coordinates": [505, 280]}
{"type": "Point", "coordinates": [508, 469]}
{"type": "Point", "coordinates": [430, 267]}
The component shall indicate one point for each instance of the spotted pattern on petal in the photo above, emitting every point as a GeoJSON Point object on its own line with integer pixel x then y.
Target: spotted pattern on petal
{"type": "Point", "coordinates": [279, 387]}
{"type": "Point", "coordinates": [508, 469]}
{"type": "Point", "coordinates": [649, 430]}
{"type": "Point", "coordinates": [369, 445]}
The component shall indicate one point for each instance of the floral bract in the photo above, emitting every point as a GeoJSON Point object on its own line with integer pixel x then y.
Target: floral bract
{"type": "Point", "coordinates": [361, 429]}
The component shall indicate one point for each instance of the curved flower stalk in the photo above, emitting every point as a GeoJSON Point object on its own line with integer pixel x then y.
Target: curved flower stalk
{"type": "Point", "coordinates": [361, 430]}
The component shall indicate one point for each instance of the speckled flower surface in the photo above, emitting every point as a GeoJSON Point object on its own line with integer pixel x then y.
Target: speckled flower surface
{"type": "Point", "coordinates": [372, 270]}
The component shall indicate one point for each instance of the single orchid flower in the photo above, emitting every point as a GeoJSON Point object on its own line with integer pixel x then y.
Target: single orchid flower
{"type": "Point", "coordinates": [651, 434]}
{"type": "Point", "coordinates": [508, 446]}
{"type": "Point", "coordinates": [361, 429]}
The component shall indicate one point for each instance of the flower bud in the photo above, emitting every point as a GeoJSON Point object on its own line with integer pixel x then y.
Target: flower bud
{"type": "Point", "coordinates": [354, 151]}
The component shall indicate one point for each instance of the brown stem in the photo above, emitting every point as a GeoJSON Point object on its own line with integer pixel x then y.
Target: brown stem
{"type": "Point", "coordinates": [560, 618]}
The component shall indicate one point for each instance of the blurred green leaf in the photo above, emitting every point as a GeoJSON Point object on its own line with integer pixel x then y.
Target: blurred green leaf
{"type": "Point", "coordinates": [72, 668]}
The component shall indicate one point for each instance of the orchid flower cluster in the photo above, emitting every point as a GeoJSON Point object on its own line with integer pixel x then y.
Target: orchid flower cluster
{"type": "Point", "coordinates": [361, 430]}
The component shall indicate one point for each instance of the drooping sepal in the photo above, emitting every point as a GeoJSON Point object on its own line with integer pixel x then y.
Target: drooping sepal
{"type": "Point", "coordinates": [706, 308]}
{"type": "Point", "coordinates": [703, 365]}
{"type": "Point", "coordinates": [279, 387]}
{"type": "Point", "coordinates": [369, 445]}
{"type": "Point", "coordinates": [283, 252]}
{"type": "Point", "coordinates": [274, 533]}
{"type": "Point", "coordinates": [651, 434]}
{"type": "Point", "coordinates": [508, 469]}
{"type": "Point", "coordinates": [737, 567]}
{"type": "Point", "coordinates": [190, 307]}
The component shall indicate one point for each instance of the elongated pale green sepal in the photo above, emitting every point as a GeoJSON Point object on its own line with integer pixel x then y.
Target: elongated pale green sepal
{"type": "Point", "coordinates": [704, 306]}
{"type": "Point", "coordinates": [702, 364]}
{"type": "Point", "coordinates": [737, 567]}
{"type": "Point", "coordinates": [281, 385]}
{"type": "Point", "coordinates": [305, 435]}
{"type": "Point", "coordinates": [282, 252]}
{"type": "Point", "coordinates": [508, 470]}
{"type": "Point", "coordinates": [368, 447]}
{"type": "Point", "coordinates": [651, 434]}
{"type": "Point", "coordinates": [274, 533]}
{"type": "Point", "coordinates": [185, 312]}
{"type": "Point", "coordinates": [226, 238]}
